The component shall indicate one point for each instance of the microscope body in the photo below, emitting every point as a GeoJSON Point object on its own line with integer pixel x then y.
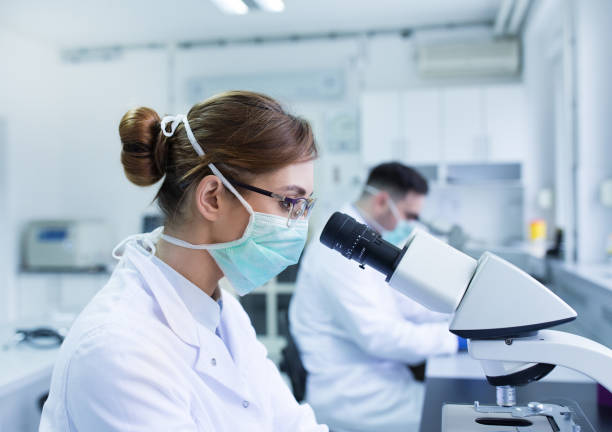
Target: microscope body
{"type": "Point", "coordinates": [501, 310]}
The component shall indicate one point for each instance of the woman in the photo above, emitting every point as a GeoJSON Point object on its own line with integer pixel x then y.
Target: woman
{"type": "Point", "coordinates": [161, 347]}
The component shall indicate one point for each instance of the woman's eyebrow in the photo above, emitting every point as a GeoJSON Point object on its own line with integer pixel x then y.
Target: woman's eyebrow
{"type": "Point", "coordinates": [295, 188]}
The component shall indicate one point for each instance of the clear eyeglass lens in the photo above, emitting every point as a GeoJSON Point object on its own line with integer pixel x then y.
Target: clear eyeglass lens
{"type": "Point", "coordinates": [295, 212]}
{"type": "Point", "coordinates": [298, 209]}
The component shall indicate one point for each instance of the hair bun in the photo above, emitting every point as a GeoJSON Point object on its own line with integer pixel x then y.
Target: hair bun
{"type": "Point", "coordinates": [143, 155]}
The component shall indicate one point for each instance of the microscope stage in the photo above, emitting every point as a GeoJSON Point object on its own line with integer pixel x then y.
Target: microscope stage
{"type": "Point", "coordinates": [535, 417]}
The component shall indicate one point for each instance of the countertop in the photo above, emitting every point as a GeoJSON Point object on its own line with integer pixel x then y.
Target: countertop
{"type": "Point", "coordinates": [598, 274]}
{"type": "Point", "coordinates": [23, 364]}
{"type": "Point", "coordinates": [520, 255]}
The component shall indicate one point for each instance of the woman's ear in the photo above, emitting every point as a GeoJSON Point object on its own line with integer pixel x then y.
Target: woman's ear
{"type": "Point", "coordinates": [209, 196]}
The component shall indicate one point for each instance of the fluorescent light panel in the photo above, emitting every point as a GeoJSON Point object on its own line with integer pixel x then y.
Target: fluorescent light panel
{"type": "Point", "coordinates": [232, 7]}
{"type": "Point", "coordinates": [271, 5]}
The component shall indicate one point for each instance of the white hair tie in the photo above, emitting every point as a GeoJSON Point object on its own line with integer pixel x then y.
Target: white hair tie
{"type": "Point", "coordinates": [175, 121]}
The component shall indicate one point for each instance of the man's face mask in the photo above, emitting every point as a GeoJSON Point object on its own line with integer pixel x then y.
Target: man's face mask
{"type": "Point", "coordinates": [403, 227]}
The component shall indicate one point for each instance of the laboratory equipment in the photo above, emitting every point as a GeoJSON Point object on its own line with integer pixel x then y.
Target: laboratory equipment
{"type": "Point", "coordinates": [40, 337]}
{"type": "Point", "coordinates": [537, 237]}
{"type": "Point", "coordinates": [66, 245]}
{"type": "Point", "coordinates": [502, 311]}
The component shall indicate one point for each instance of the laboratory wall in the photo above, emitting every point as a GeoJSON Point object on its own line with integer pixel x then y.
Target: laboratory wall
{"type": "Point", "coordinates": [82, 99]}
{"type": "Point", "coordinates": [30, 147]}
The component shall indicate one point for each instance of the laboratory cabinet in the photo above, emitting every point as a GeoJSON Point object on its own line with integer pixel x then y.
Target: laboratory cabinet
{"type": "Point", "coordinates": [445, 125]}
{"type": "Point", "coordinates": [579, 287]}
{"type": "Point", "coordinates": [420, 122]}
{"type": "Point", "coordinates": [505, 123]}
{"type": "Point", "coordinates": [381, 126]}
{"type": "Point", "coordinates": [462, 125]}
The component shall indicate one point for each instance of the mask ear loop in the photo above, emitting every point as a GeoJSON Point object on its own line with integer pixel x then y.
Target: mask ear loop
{"type": "Point", "coordinates": [371, 189]}
{"type": "Point", "coordinates": [396, 213]}
{"type": "Point", "coordinates": [176, 120]}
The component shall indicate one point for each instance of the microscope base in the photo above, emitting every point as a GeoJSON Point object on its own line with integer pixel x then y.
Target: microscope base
{"type": "Point", "coordinates": [535, 417]}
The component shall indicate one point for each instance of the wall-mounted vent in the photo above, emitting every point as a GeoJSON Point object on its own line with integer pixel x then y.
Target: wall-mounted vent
{"type": "Point", "coordinates": [469, 58]}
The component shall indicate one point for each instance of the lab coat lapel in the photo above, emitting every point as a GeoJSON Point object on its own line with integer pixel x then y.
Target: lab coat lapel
{"type": "Point", "coordinates": [175, 312]}
{"type": "Point", "coordinates": [213, 359]}
{"type": "Point", "coordinates": [215, 362]}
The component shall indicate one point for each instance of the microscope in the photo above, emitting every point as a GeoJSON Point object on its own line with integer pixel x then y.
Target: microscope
{"type": "Point", "coordinates": [503, 312]}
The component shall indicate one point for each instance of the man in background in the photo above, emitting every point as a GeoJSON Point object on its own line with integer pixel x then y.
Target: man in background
{"type": "Point", "coordinates": [356, 334]}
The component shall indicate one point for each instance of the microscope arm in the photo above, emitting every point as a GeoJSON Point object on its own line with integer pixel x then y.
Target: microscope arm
{"type": "Point", "coordinates": [552, 347]}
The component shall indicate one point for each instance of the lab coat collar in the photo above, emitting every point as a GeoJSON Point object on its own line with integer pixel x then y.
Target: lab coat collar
{"type": "Point", "coordinates": [175, 312]}
{"type": "Point", "coordinates": [203, 308]}
{"type": "Point", "coordinates": [213, 358]}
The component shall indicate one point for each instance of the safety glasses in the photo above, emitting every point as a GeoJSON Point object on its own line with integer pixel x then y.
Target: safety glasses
{"type": "Point", "coordinates": [296, 207]}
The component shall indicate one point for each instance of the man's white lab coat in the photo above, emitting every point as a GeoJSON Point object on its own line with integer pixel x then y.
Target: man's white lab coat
{"type": "Point", "coordinates": [356, 335]}
{"type": "Point", "coordinates": [137, 360]}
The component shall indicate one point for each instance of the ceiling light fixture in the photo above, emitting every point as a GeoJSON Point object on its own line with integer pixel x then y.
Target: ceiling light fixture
{"type": "Point", "coordinates": [271, 5]}
{"type": "Point", "coordinates": [232, 7]}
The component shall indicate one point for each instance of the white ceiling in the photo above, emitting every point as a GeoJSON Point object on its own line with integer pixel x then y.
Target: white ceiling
{"type": "Point", "coordinates": [78, 23]}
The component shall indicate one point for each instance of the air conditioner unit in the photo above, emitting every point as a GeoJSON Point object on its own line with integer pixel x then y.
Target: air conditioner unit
{"type": "Point", "coordinates": [469, 58]}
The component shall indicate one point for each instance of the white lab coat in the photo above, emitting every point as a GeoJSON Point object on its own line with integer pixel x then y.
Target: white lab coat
{"type": "Point", "coordinates": [356, 335]}
{"type": "Point", "coordinates": [137, 360]}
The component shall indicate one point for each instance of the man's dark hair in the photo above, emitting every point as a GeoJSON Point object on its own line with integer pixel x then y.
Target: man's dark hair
{"type": "Point", "coordinates": [397, 179]}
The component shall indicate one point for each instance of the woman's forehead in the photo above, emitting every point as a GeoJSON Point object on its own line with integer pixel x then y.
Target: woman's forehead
{"type": "Point", "coordinates": [297, 179]}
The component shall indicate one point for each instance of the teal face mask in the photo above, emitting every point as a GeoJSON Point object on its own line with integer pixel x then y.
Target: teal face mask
{"type": "Point", "coordinates": [266, 247]}
{"type": "Point", "coordinates": [400, 234]}
{"type": "Point", "coordinates": [403, 228]}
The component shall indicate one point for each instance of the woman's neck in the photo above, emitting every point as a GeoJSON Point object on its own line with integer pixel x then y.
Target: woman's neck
{"type": "Point", "coordinates": [195, 265]}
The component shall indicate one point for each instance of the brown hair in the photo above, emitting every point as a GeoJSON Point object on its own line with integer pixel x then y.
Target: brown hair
{"type": "Point", "coordinates": [242, 133]}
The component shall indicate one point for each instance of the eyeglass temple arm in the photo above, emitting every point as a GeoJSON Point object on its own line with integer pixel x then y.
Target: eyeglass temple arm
{"type": "Point", "coordinates": [255, 189]}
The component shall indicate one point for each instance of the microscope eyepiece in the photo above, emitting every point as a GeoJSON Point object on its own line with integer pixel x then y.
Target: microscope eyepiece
{"type": "Point", "coordinates": [356, 241]}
